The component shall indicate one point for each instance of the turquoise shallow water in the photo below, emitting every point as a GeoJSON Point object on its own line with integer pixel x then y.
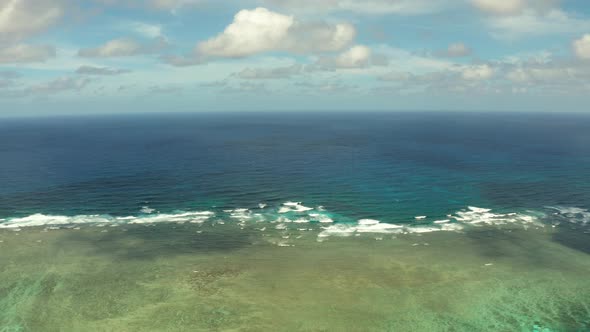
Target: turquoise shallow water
{"type": "Point", "coordinates": [223, 277]}
{"type": "Point", "coordinates": [295, 222]}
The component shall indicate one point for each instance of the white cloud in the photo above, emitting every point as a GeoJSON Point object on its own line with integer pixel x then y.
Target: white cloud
{"type": "Point", "coordinates": [22, 18]}
{"type": "Point", "coordinates": [531, 23]}
{"type": "Point", "coordinates": [261, 30]}
{"type": "Point", "coordinates": [404, 60]}
{"type": "Point", "coordinates": [147, 30]}
{"type": "Point", "coordinates": [104, 71]}
{"type": "Point", "coordinates": [478, 72]}
{"type": "Point", "coordinates": [357, 56]}
{"type": "Point", "coordinates": [24, 53]}
{"type": "Point", "coordinates": [122, 47]}
{"type": "Point", "coordinates": [552, 73]}
{"type": "Point", "coordinates": [500, 7]}
{"type": "Point", "coordinates": [376, 7]}
{"type": "Point", "coordinates": [582, 47]}
{"type": "Point", "coordinates": [113, 48]}
{"type": "Point", "coordinates": [164, 5]}
{"type": "Point", "coordinates": [514, 7]}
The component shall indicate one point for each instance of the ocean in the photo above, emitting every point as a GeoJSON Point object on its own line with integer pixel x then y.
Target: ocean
{"type": "Point", "coordinates": [413, 221]}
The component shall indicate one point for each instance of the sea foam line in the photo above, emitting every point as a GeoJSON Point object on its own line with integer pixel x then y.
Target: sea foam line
{"type": "Point", "coordinates": [290, 214]}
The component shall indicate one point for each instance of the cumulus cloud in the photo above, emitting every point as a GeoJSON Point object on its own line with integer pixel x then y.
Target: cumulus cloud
{"type": "Point", "coordinates": [459, 78]}
{"type": "Point", "coordinates": [582, 47]}
{"type": "Point", "coordinates": [261, 30]}
{"type": "Point", "coordinates": [23, 18]}
{"type": "Point", "coordinates": [358, 56]}
{"type": "Point", "coordinates": [530, 74]}
{"type": "Point", "coordinates": [122, 47]}
{"type": "Point", "coordinates": [24, 53]}
{"type": "Point", "coordinates": [102, 71]}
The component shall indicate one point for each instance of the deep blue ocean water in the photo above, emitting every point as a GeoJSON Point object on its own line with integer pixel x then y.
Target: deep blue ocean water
{"type": "Point", "coordinates": [387, 166]}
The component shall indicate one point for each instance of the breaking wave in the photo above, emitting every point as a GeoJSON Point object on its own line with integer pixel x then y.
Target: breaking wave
{"type": "Point", "coordinates": [292, 215]}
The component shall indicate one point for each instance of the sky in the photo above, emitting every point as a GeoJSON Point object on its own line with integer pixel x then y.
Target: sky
{"type": "Point", "coordinates": [123, 56]}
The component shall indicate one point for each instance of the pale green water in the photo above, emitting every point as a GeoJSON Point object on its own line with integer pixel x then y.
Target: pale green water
{"type": "Point", "coordinates": [171, 278]}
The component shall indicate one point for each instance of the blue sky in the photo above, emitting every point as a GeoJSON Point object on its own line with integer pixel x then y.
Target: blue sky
{"type": "Point", "coordinates": [121, 56]}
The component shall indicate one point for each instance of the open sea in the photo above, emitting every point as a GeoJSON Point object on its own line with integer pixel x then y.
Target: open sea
{"type": "Point", "coordinates": [416, 221]}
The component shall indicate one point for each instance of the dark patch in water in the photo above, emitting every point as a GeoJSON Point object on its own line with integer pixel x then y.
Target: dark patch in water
{"type": "Point", "coordinates": [498, 243]}
{"type": "Point", "coordinates": [574, 238]}
{"type": "Point", "coordinates": [531, 194]}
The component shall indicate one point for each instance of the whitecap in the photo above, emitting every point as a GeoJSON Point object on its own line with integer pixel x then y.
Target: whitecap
{"type": "Point", "coordinates": [147, 210]}
{"type": "Point", "coordinates": [293, 207]}
{"type": "Point", "coordinates": [572, 214]}
{"type": "Point", "coordinates": [322, 218]}
{"type": "Point", "coordinates": [476, 216]}
{"type": "Point", "coordinates": [36, 220]}
{"type": "Point", "coordinates": [423, 229]}
{"type": "Point", "coordinates": [337, 230]}
{"type": "Point", "coordinates": [380, 228]}
{"type": "Point", "coordinates": [368, 222]}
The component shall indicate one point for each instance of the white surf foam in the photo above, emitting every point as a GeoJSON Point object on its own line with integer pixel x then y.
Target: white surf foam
{"type": "Point", "coordinates": [147, 210]}
{"type": "Point", "coordinates": [472, 216]}
{"type": "Point", "coordinates": [573, 214]}
{"type": "Point", "coordinates": [322, 218]}
{"type": "Point", "coordinates": [40, 220]}
{"type": "Point", "coordinates": [293, 207]}
{"type": "Point", "coordinates": [477, 216]}
{"type": "Point", "coordinates": [376, 227]}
